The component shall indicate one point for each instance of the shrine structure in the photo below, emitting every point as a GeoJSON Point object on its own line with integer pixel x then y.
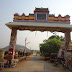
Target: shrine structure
{"type": "Point", "coordinates": [40, 20]}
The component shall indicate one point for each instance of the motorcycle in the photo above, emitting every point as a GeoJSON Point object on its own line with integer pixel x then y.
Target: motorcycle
{"type": "Point", "coordinates": [56, 61]}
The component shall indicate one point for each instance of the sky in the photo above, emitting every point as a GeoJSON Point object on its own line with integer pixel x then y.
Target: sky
{"type": "Point", "coordinates": [9, 7]}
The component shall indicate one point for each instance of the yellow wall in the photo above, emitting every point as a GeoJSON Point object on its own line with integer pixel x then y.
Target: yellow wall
{"type": "Point", "coordinates": [51, 18]}
{"type": "Point", "coordinates": [15, 17]}
{"type": "Point", "coordinates": [63, 19]}
{"type": "Point", "coordinates": [31, 17]}
{"type": "Point", "coordinates": [19, 17]}
{"type": "Point", "coordinates": [26, 17]}
{"type": "Point", "coordinates": [55, 18]}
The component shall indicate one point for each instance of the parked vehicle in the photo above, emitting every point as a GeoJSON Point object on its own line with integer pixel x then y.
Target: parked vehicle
{"type": "Point", "coordinates": [47, 56]}
{"type": "Point", "coordinates": [52, 57]}
{"type": "Point", "coordinates": [56, 61]}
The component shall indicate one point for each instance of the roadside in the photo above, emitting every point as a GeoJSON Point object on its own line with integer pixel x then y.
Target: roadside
{"type": "Point", "coordinates": [35, 63]}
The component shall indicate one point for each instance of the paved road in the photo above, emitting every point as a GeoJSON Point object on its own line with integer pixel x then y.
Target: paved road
{"type": "Point", "coordinates": [35, 64]}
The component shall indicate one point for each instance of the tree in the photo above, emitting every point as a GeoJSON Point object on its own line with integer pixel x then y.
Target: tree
{"type": "Point", "coordinates": [54, 45]}
{"type": "Point", "coordinates": [54, 36]}
{"type": "Point", "coordinates": [61, 38]}
{"type": "Point", "coordinates": [50, 46]}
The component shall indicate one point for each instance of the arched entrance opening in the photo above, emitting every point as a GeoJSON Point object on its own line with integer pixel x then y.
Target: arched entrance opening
{"type": "Point", "coordinates": [41, 20]}
{"type": "Point", "coordinates": [34, 38]}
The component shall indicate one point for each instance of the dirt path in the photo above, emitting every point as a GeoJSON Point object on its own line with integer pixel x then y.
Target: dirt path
{"type": "Point", "coordinates": [35, 64]}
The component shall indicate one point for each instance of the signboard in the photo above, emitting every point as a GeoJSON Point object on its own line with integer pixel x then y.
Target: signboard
{"type": "Point", "coordinates": [41, 16]}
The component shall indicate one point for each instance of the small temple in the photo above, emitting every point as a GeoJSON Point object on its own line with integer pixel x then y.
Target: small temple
{"type": "Point", "coordinates": [41, 15]}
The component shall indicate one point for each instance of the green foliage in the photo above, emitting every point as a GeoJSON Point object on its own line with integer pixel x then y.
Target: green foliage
{"type": "Point", "coordinates": [54, 36]}
{"type": "Point", "coordinates": [61, 38]}
{"type": "Point", "coordinates": [50, 46]}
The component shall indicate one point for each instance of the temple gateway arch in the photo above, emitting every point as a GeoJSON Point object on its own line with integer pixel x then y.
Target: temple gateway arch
{"type": "Point", "coordinates": [40, 20]}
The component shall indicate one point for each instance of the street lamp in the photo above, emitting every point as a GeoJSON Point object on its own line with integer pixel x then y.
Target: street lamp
{"type": "Point", "coordinates": [25, 44]}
